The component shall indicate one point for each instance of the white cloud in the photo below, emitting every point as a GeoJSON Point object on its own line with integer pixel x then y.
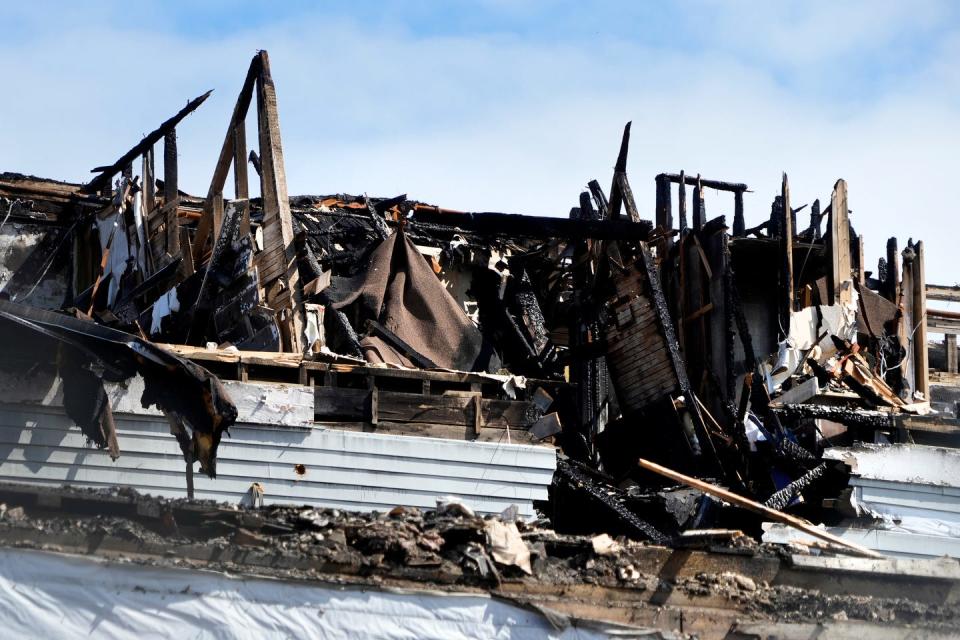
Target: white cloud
{"type": "Point", "coordinates": [495, 122]}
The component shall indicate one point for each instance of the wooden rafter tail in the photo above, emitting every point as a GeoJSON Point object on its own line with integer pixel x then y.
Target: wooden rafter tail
{"type": "Point", "coordinates": [107, 172]}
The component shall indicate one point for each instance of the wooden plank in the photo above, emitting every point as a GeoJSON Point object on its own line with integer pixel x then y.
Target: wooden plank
{"type": "Point", "coordinates": [395, 406]}
{"type": "Point", "coordinates": [921, 357]}
{"type": "Point", "coordinates": [222, 168]}
{"type": "Point", "coordinates": [787, 291]}
{"type": "Point", "coordinates": [276, 206]}
{"type": "Point", "coordinates": [756, 507]}
{"type": "Point", "coordinates": [241, 188]}
{"type": "Point", "coordinates": [492, 435]}
{"type": "Point", "coordinates": [936, 291]}
{"type": "Point", "coordinates": [107, 172]}
{"type": "Point", "coordinates": [217, 214]}
{"type": "Point", "coordinates": [861, 268]}
{"type": "Point", "coordinates": [839, 241]}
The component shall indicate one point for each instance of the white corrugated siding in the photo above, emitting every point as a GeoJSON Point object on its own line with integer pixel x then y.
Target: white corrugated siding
{"type": "Point", "coordinates": [359, 471]}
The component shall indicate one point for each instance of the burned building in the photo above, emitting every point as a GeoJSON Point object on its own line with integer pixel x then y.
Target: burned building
{"type": "Point", "coordinates": [662, 379]}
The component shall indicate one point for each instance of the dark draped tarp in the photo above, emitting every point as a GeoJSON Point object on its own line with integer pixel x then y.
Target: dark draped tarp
{"type": "Point", "coordinates": [401, 292]}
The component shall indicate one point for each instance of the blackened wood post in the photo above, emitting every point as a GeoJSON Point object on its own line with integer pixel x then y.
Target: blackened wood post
{"type": "Point", "coordinates": [950, 346]}
{"type": "Point", "coordinates": [739, 224]}
{"type": "Point", "coordinates": [664, 206]}
{"type": "Point", "coordinates": [586, 206]}
{"type": "Point", "coordinates": [601, 199]}
{"type": "Point", "coordinates": [892, 285]}
{"type": "Point", "coordinates": [170, 166]}
{"type": "Point", "coordinates": [786, 256]}
{"type": "Point", "coordinates": [699, 214]}
{"type": "Point", "coordinates": [170, 191]}
{"type": "Point", "coordinates": [682, 202]}
{"type": "Point", "coordinates": [815, 220]}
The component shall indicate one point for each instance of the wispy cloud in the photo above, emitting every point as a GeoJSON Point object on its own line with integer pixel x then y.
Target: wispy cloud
{"type": "Point", "coordinates": [495, 107]}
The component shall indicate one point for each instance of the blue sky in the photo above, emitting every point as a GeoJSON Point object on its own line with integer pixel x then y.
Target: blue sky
{"type": "Point", "coordinates": [514, 106]}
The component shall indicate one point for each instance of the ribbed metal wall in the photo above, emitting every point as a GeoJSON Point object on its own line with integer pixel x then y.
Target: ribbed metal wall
{"type": "Point", "coordinates": [358, 471]}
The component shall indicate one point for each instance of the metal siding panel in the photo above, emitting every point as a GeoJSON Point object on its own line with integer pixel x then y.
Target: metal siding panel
{"type": "Point", "coordinates": [361, 471]}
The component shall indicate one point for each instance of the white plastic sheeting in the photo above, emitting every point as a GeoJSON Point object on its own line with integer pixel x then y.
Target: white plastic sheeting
{"type": "Point", "coordinates": [804, 335]}
{"type": "Point", "coordinates": [46, 595]}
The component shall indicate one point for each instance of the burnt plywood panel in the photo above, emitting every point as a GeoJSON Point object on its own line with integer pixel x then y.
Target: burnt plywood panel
{"type": "Point", "coordinates": [638, 350]}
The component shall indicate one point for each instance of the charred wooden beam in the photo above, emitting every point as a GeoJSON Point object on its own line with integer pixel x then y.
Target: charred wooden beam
{"type": "Point", "coordinates": [376, 221]}
{"type": "Point", "coordinates": [107, 172]}
{"type": "Point", "coordinates": [682, 201]}
{"type": "Point", "coordinates": [400, 345]}
{"type": "Point", "coordinates": [934, 291]}
{"type": "Point", "coordinates": [536, 226]}
{"type": "Point", "coordinates": [851, 417]}
{"type": "Point", "coordinates": [603, 207]}
{"type": "Point", "coordinates": [255, 161]}
{"type": "Point", "coordinates": [170, 191]}
{"type": "Point", "coordinates": [739, 224]}
{"type": "Point", "coordinates": [719, 185]}
{"type": "Point", "coordinates": [664, 218]}
{"type": "Point", "coordinates": [782, 498]}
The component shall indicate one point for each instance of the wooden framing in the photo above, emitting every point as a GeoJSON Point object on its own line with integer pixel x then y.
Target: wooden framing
{"type": "Point", "coordinates": [277, 263]}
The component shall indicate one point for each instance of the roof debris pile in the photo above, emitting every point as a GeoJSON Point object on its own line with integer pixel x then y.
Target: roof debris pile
{"type": "Point", "coordinates": [694, 376]}
{"type": "Point", "coordinates": [452, 550]}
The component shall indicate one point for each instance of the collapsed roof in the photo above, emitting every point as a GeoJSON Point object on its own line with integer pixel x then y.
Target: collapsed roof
{"type": "Point", "coordinates": [718, 354]}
